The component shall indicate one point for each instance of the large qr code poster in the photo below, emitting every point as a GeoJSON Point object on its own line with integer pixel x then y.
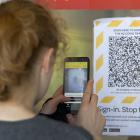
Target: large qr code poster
{"type": "Point", "coordinates": [117, 73]}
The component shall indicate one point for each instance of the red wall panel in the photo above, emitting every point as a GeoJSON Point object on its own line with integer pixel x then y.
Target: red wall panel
{"type": "Point", "coordinates": [91, 4]}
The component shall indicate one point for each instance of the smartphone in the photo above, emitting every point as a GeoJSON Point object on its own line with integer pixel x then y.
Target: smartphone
{"type": "Point", "coordinates": [76, 76]}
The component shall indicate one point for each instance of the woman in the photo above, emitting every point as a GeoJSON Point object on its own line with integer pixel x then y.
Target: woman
{"type": "Point", "coordinates": [29, 40]}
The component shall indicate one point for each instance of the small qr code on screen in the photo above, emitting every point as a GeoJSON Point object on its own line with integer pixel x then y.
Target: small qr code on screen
{"type": "Point", "coordinates": [124, 61]}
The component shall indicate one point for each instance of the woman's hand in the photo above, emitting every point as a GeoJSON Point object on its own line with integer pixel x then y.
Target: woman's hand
{"type": "Point", "coordinates": [89, 116]}
{"type": "Point", "coordinates": [50, 106]}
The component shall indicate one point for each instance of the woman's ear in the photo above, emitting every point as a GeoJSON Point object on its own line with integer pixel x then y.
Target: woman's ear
{"type": "Point", "coordinates": [47, 59]}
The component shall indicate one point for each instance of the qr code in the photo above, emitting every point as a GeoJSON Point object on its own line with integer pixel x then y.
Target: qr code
{"type": "Point", "coordinates": [124, 61]}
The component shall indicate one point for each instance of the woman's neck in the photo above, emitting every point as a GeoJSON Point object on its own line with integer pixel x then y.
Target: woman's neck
{"type": "Point", "coordinates": [15, 112]}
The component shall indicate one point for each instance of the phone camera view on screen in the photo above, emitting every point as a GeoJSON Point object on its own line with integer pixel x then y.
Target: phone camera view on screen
{"type": "Point", "coordinates": [76, 76]}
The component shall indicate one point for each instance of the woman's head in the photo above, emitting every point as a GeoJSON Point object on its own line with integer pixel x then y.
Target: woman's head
{"type": "Point", "coordinates": [29, 40]}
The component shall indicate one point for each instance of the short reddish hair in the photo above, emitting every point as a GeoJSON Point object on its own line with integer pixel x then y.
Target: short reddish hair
{"type": "Point", "coordinates": [25, 28]}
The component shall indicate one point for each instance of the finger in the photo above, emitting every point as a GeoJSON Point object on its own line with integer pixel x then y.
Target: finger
{"type": "Point", "coordinates": [102, 123]}
{"type": "Point", "coordinates": [65, 99]}
{"type": "Point", "coordinates": [58, 92]}
{"type": "Point", "coordinates": [99, 112]}
{"type": "Point", "coordinates": [100, 116]}
{"type": "Point", "coordinates": [94, 99]}
{"type": "Point", "coordinates": [88, 92]}
{"type": "Point", "coordinates": [71, 119]}
{"type": "Point", "coordinates": [60, 99]}
{"type": "Point", "coordinates": [103, 120]}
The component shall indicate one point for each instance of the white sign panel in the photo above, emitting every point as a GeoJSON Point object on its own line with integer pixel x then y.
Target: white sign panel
{"type": "Point", "coordinates": [117, 73]}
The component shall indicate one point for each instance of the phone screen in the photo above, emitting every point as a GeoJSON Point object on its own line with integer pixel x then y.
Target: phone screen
{"type": "Point", "coordinates": [76, 78]}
